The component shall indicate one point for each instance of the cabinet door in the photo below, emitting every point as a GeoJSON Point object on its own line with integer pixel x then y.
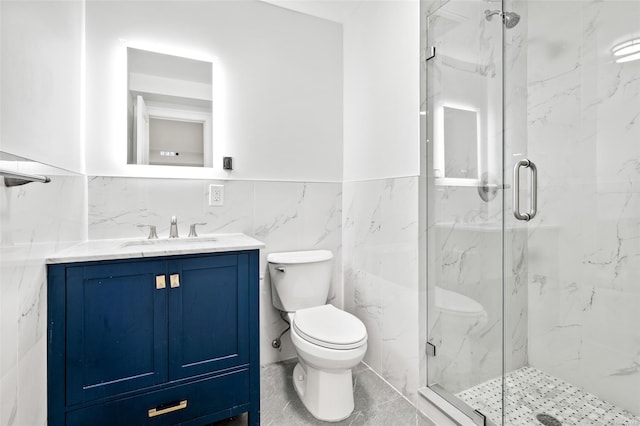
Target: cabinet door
{"type": "Point", "coordinates": [208, 314]}
{"type": "Point", "coordinates": [116, 329]}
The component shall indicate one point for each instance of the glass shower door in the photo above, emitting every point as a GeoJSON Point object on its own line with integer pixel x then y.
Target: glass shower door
{"type": "Point", "coordinates": [533, 209]}
{"type": "Point", "coordinates": [464, 202]}
{"type": "Point", "coordinates": [571, 106]}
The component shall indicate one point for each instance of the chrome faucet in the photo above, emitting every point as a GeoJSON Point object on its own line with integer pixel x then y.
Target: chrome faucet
{"type": "Point", "coordinates": [153, 235]}
{"type": "Point", "coordinates": [173, 231]}
{"type": "Point", "coordinates": [192, 229]}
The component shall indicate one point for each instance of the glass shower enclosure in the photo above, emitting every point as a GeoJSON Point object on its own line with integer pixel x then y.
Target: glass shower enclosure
{"type": "Point", "coordinates": [531, 159]}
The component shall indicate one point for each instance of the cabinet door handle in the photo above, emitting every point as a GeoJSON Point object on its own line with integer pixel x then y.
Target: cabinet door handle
{"type": "Point", "coordinates": [161, 282]}
{"type": "Point", "coordinates": [163, 409]}
{"type": "Point", "coordinates": [174, 280]}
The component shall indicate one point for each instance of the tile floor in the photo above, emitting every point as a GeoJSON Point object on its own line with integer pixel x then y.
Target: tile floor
{"type": "Point", "coordinates": [376, 403]}
{"type": "Point", "coordinates": [531, 392]}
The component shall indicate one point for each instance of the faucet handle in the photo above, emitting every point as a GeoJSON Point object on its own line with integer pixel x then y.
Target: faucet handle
{"type": "Point", "coordinates": [192, 229]}
{"type": "Point", "coordinates": [153, 235]}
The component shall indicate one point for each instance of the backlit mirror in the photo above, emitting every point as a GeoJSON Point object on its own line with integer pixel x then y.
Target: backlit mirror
{"type": "Point", "coordinates": [168, 110]}
{"type": "Point", "coordinates": [460, 143]}
{"type": "Point", "coordinates": [458, 146]}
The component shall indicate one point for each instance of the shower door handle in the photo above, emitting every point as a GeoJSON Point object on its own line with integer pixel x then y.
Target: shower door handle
{"type": "Point", "coordinates": [516, 190]}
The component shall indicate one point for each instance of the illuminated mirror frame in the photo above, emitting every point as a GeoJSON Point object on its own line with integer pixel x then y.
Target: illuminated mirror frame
{"type": "Point", "coordinates": [172, 98]}
{"type": "Point", "coordinates": [218, 112]}
{"type": "Point", "coordinates": [439, 148]}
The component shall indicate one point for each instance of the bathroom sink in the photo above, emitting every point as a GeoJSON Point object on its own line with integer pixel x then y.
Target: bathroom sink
{"type": "Point", "coordinates": [168, 242]}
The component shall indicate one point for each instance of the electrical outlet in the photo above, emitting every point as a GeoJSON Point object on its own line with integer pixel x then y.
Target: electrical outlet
{"type": "Point", "coordinates": [216, 195]}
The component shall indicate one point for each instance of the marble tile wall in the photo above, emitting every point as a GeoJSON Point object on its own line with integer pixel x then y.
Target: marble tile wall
{"type": "Point", "coordinates": [286, 216]}
{"type": "Point", "coordinates": [583, 132]}
{"type": "Point", "coordinates": [380, 255]}
{"type": "Point", "coordinates": [36, 220]}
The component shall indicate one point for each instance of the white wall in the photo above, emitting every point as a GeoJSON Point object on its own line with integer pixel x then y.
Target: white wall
{"type": "Point", "coordinates": [380, 192]}
{"type": "Point", "coordinates": [41, 56]}
{"type": "Point", "coordinates": [42, 81]}
{"type": "Point", "coordinates": [277, 85]}
{"type": "Point", "coordinates": [381, 96]}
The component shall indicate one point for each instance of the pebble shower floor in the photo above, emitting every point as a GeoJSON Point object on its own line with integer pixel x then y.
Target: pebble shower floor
{"type": "Point", "coordinates": [530, 392]}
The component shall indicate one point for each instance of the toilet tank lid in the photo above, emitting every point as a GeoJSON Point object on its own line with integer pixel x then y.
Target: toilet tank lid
{"type": "Point", "coordinates": [300, 256]}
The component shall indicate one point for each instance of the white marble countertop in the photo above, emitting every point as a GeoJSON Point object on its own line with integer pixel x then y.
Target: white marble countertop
{"type": "Point", "coordinates": [138, 248]}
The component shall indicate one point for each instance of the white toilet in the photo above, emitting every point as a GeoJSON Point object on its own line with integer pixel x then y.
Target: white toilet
{"type": "Point", "coordinates": [329, 341]}
{"type": "Point", "coordinates": [463, 315]}
{"type": "Point", "coordinates": [461, 321]}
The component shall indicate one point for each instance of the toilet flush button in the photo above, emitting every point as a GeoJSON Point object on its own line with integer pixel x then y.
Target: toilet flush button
{"type": "Point", "coordinates": [300, 377]}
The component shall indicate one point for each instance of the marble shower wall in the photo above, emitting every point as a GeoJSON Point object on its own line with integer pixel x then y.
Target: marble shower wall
{"type": "Point", "coordinates": [583, 133]}
{"type": "Point", "coordinates": [286, 216]}
{"type": "Point", "coordinates": [380, 247]}
{"type": "Point", "coordinates": [37, 220]}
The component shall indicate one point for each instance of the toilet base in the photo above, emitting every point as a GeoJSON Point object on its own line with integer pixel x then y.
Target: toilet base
{"type": "Point", "coordinates": [326, 394]}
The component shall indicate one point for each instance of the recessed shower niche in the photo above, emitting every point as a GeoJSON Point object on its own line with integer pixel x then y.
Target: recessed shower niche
{"type": "Point", "coordinates": [168, 109]}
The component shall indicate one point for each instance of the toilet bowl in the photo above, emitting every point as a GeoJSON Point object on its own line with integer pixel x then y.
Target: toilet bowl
{"type": "Point", "coordinates": [463, 315]}
{"type": "Point", "coordinates": [329, 342]}
{"type": "Point", "coordinates": [461, 321]}
{"type": "Point", "coordinates": [326, 354]}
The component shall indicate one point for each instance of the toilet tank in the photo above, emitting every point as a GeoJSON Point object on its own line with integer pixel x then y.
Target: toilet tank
{"type": "Point", "coordinates": [300, 279]}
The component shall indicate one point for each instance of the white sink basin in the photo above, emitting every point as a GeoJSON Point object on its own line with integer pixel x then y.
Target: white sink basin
{"type": "Point", "coordinates": [168, 242]}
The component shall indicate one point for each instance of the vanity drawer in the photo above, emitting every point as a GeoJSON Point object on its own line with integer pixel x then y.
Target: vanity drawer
{"type": "Point", "coordinates": [173, 405]}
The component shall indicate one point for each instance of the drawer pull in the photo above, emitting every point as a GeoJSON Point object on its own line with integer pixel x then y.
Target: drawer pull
{"type": "Point", "coordinates": [163, 409]}
{"type": "Point", "coordinates": [160, 282]}
{"type": "Point", "coordinates": [174, 280]}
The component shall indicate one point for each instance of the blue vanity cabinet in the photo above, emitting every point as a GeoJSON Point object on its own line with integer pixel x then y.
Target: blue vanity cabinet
{"type": "Point", "coordinates": [163, 340]}
{"type": "Point", "coordinates": [209, 326]}
{"type": "Point", "coordinates": [116, 329]}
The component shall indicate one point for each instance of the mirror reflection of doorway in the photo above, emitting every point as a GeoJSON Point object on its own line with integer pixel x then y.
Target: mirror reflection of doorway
{"type": "Point", "coordinates": [175, 142]}
{"type": "Point", "coordinates": [169, 110]}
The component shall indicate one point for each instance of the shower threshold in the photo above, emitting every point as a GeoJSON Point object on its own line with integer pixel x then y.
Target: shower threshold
{"type": "Point", "coordinates": [536, 398]}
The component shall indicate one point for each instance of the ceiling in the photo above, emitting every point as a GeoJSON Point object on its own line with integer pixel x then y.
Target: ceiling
{"type": "Point", "coordinates": [333, 10]}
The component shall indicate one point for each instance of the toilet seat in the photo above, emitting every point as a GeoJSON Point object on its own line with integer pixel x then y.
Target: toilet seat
{"type": "Point", "coordinates": [330, 327]}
